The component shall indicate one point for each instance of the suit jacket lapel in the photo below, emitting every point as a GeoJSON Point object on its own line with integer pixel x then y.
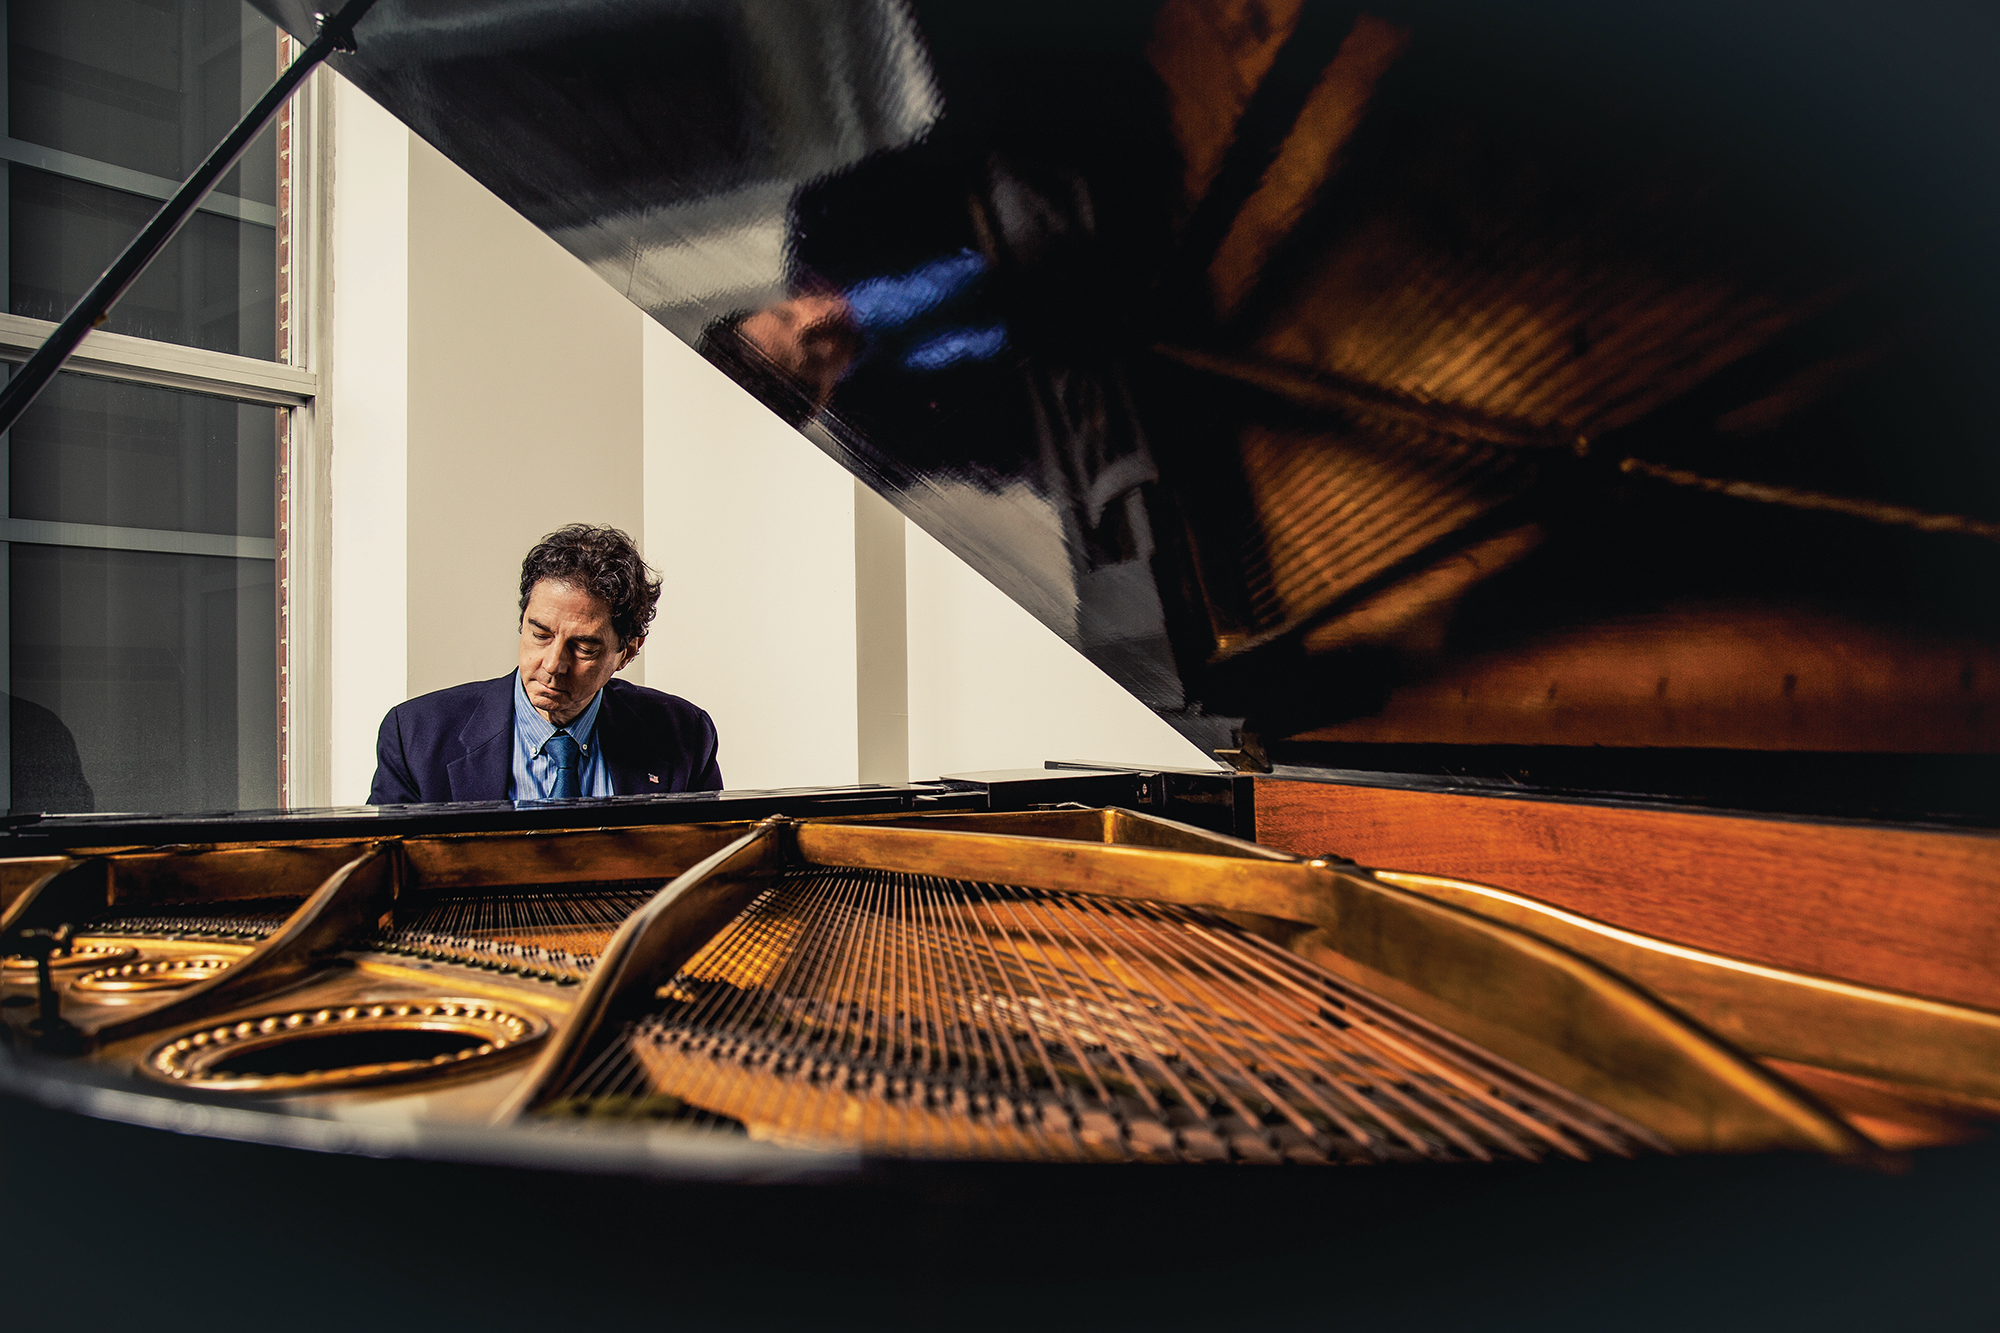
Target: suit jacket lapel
{"type": "Point", "coordinates": [480, 774]}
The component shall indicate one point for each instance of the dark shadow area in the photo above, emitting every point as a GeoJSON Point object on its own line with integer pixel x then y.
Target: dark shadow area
{"type": "Point", "coordinates": [311, 1241]}
{"type": "Point", "coordinates": [45, 770]}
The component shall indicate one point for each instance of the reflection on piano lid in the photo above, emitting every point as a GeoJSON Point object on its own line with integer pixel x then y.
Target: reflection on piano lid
{"type": "Point", "coordinates": [1404, 388]}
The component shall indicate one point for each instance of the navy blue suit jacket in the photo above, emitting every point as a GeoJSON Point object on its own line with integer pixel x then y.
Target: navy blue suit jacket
{"type": "Point", "coordinates": [458, 744]}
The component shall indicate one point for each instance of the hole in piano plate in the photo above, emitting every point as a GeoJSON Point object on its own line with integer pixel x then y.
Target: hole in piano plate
{"type": "Point", "coordinates": [348, 1046]}
{"type": "Point", "coordinates": [345, 1050]}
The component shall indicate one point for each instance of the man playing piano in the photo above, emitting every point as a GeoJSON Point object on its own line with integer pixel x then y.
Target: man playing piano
{"type": "Point", "coordinates": [561, 724]}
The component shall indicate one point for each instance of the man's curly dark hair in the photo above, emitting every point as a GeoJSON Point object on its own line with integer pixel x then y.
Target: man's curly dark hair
{"type": "Point", "coordinates": [603, 562]}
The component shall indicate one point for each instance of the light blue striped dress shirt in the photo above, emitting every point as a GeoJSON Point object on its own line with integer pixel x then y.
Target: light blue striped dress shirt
{"type": "Point", "coordinates": [534, 775]}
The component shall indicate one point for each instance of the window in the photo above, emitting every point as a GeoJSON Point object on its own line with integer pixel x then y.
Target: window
{"type": "Point", "coordinates": [142, 552]}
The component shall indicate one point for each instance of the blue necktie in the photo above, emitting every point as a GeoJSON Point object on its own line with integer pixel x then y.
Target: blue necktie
{"type": "Point", "coordinates": [562, 748]}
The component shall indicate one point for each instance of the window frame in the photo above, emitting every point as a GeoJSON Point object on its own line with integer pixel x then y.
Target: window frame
{"type": "Point", "coordinates": [294, 383]}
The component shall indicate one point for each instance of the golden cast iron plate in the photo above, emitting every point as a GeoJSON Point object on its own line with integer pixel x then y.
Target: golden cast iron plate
{"type": "Point", "coordinates": [154, 974]}
{"type": "Point", "coordinates": [83, 955]}
{"type": "Point", "coordinates": [192, 1058]}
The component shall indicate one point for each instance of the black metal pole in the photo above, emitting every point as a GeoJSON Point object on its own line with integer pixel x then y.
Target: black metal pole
{"type": "Point", "coordinates": [335, 34]}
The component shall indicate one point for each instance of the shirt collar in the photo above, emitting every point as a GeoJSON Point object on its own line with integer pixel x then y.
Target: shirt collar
{"type": "Point", "coordinates": [532, 727]}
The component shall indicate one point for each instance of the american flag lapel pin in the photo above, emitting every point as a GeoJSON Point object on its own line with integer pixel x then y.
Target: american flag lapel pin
{"type": "Point", "coordinates": [653, 778]}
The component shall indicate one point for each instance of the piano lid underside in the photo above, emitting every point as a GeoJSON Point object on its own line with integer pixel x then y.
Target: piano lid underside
{"type": "Point", "coordinates": [1599, 377]}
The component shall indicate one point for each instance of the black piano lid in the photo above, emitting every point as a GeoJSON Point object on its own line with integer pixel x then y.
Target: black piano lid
{"type": "Point", "coordinates": [1597, 390]}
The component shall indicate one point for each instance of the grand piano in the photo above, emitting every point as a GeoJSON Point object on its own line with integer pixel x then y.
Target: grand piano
{"type": "Point", "coordinates": [1542, 455]}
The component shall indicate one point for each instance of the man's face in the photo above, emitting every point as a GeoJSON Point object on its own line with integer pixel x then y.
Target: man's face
{"type": "Point", "coordinates": [568, 649]}
{"type": "Point", "coordinates": [810, 337]}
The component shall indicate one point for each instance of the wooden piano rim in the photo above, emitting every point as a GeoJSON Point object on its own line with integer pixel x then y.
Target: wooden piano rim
{"type": "Point", "coordinates": [1768, 1011]}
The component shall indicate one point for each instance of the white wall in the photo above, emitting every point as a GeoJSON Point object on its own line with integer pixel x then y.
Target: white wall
{"type": "Point", "coordinates": [752, 530]}
{"type": "Point", "coordinates": [368, 405]}
{"type": "Point", "coordinates": [882, 641]}
{"type": "Point", "coordinates": [486, 386]}
{"type": "Point", "coordinates": [992, 687]}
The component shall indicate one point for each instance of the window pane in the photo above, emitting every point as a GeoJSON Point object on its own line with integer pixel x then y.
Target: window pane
{"type": "Point", "coordinates": [161, 667]}
{"type": "Point", "coordinates": [125, 86]}
{"type": "Point", "coordinates": [96, 451]}
{"type": "Point", "coordinates": [215, 286]}
{"type": "Point", "coordinates": [141, 677]}
{"type": "Point", "coordinates": [142, 84]}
